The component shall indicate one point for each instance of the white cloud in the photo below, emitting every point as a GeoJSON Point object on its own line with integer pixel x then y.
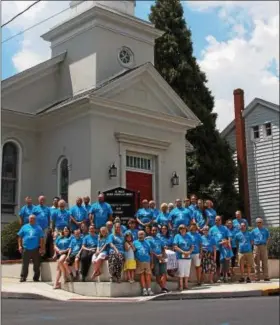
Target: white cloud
{"type": "Point", "coordinates": [243, 61]}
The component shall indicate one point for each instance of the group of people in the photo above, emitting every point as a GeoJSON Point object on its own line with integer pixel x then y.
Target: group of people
{"type": "Point", "coordinates": [157, 242]}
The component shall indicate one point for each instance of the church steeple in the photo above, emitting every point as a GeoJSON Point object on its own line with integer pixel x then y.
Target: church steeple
{"type": "Point", "coordinates": [126, 7]}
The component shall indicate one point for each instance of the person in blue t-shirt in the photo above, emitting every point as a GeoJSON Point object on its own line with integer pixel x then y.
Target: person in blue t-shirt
{"type": "Point", "coordinates": [143, 254]}
{"type": "Point", "coordinates": [144, 216]}
{"type": "Point", "coordinates": [31, 246]}
{"type": "Point", "coordinates": [180, 216]}
{"type": "Point", "coordinates": [193, 206]}
{"type": "Point", "coordinates": [197, 251]}
{"type": "Point", "coordinates": [155, 211]}
{"type": "Point", "coordinates": [100, 212]}
{"type": "Point", "coordinates": [183, 246]}
{"type": "Point", "coordinates": [210, 213]}
{"type": "Point", "coordinates": [74, 255]}
{"type": "Point", "coordinates": [233, 231]}
{"type": "Point", "coordinates": [61, 247]}
{"type": "Point", "coordinates": [238, 220]}
{"type": "Point", "coordinates": [26, 211]}
{"type": "Point", "coordinates": [199, 216]}
{"type": "Point", "coordinates": [116, 253]}
{"type": "Point", "coordinates": [87, 206]}
{"type": "Point", "coordinates": [60, 218]}
{"type": "Point", "coordinates": [225, 257]}
{"type": "Point", "coordinates": [163, 217]}
{"type": "Point", "coordinates": [78, 214]}
{"type": "Point", "coordinates": [89, 248]}
{"type": "Point", "coordinates": [208, 259]}
{"type": "Point", "coordinates": [260, 237]}
{"type": "Point", "coordinates": [132, 229]}
{"type": "Point", "coordinates": [101, 253]}
{"type": "Point", "coordinates": [245, 241]}
{"type": "Point", "coordinates": [43, 214]}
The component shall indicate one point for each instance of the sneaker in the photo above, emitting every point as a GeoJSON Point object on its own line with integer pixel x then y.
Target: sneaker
{"type": "Point", "coordinates": [144, 292]}
{"type": "Point", "coordinates": [164, 290]}
{"type": "Point", "coordinates": [150, 292]}
{"type": "Point", "coordinates": [22, 280]}
{"type": "Point", "coordinates": [248, 280]}
{"type": "Point", "coordinates": [241, 280]}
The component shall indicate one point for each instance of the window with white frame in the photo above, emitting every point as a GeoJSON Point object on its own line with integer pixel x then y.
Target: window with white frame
{"type": "Point", "coordinates": [10, 159]}
{"type": "Point", "coordinates": [268, 129]}
{"type": "Point", "coordinates": [135, 162]}
{"type": "Point", "coordinates": [255, 132]}
{"type": "Point", "coordinates": [63, 179]}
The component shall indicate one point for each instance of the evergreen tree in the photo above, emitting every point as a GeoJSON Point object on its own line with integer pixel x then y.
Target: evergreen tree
{"type": "Point", "coordinates": [210, 167]}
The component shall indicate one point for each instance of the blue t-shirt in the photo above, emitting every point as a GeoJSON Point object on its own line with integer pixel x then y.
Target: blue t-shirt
{"type": "Point", "coordinates": [43, 215]}
{"type": "Point", "coordinates": [76, 245]}
{"type": "Point", "coordinates": [134, 233]}
{"type": "Point", "coordinates": [225, 252]}
{"type": "Point", "coordinates": [145, 215]}
{"type": "Point", "coordinates": [244, 241]}
{"type": "Point", "coordinates": [118, 241]}
{"type": "Point", "coordinates": [183, 242]}
{"type": "Point", "coordinates": [31, 235]}
{"type": "Point", "coordinates": [155, 212]}
{"type": "Point", "coordinates": [79, 213]}
{"type": "Point", "coordinates": [87, 207]}
{"type": "Point", "coordinates": [63, 243]}
{"type": "Point", "coordinates": [90, 241]}
{"type": "Point", "coordinates": [199, 219]}
{"type": "Point", "coordinates": [156, 244]}
{"type": "Point", "coordinates": [237, 223]}
{"type": "Point", "coordinates": [167, 241]}
{"type": "Point", "coordinates": [219, 233]}
{"type": "Point", "coordinates": [180, 216]}
{"type": "Point", "coordinates": [25, 212]}
{"type": "Point", "coordinates": [162, 219]}
{"type": "Point", "coordinates": [233, 232]}
{"type": "Point", "coordinates": [208, 243]}
{"type": "Point", "coordinates": [260, 236]}
{"type": "Point", "coordinates": [196, 241]}
{"type": "Point", "coordinates": [101, 212]}
{"type": "Point", "coordinates": [193, 207]}
{"type": "Point", "coordinates": [61, 218]}
{"type": "Point", "coordinates": [104, 242]}
{"type": "Point", "coordinates": [142, 251]}
{"type": "Point", "coordinates": [52, 211]}
{"type": "Point", "coordinates": [211, 215]}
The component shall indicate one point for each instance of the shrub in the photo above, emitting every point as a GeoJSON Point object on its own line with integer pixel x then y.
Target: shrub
{"type": "Point", "coordinates": [9, 246]}
{"type": "Point", "coordinates": [274, 243]}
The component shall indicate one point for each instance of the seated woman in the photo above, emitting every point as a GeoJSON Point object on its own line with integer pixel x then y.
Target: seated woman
{"type": "Point", "coordinates": [116, 253]}
{"type": "Point", "coordinates": [167, 239]}
{"type": "Point", "coordinates": [102, 252]}
{"type": "Point", "coordinates": [88, 249]}
{"type": "Point", "coordinates": [61, 248]}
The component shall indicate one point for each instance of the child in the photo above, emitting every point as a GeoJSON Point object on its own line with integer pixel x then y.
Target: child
{"type": "Point", "coordinates": [225, 257]}
{"type": "Point", "coordinates": [130, 263]}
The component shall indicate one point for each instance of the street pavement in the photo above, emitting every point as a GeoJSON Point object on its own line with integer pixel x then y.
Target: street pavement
{"type": "Point", "coordinates": [240, 311]}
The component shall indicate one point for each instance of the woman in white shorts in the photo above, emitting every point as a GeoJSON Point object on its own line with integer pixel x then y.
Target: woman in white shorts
{"type": "Point", "coordinates": [102, 252]}
{"type": "Point", "coordinates": [183, 247]}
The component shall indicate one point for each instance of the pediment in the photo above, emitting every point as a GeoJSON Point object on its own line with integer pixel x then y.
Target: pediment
{"type": "Point", "coordinates": [145, 88]}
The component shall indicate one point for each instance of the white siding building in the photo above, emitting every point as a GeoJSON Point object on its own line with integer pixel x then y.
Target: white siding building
{"type": "Point", "coordinates": [97, 101]}
{"type": "Point", "coordinates": [262, 145]}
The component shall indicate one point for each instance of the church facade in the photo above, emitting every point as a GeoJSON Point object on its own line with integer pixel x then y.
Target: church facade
{"type": "Point", "coordinates": [95, 116]}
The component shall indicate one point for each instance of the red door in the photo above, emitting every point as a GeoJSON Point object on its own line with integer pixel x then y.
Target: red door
{"type": "Point", "coordinates": [142, 182]}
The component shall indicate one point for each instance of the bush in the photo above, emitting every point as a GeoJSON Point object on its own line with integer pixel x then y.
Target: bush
{"type": "Point", "coordinates": [274, 243]}
{"type": "Point", "coordinates": [9, 246]}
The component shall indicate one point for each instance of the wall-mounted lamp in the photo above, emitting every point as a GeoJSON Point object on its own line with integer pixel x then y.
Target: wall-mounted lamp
{"type": "Point", "coordinates": [113, 171]}
{"type": "Point", "coordinates": [174, 179]}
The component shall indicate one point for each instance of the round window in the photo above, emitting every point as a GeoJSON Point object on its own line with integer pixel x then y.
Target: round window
{"type": "Point", "coordinates": [125, 56]}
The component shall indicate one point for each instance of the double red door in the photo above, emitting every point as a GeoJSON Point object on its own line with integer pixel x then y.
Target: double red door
{"type": "Point", "coordinates": [142, 182]}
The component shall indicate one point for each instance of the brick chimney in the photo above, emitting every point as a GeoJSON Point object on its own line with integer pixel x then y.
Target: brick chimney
{"type": "Point", "coordinates": [241, 151]}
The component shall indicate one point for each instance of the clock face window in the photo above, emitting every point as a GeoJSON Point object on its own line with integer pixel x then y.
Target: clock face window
{"type": "Point", "coordinates": [125, 57]}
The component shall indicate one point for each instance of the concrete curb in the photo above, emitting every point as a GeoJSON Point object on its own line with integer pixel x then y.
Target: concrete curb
{"type": "Point", "coordinates": [23, 295]}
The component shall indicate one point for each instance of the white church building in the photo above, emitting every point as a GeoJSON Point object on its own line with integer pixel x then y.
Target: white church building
{"type": "Point", "coordinates": [97, 104]}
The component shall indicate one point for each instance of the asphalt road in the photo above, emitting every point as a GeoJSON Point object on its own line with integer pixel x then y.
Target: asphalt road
{"type": "Point", "coordinates": [245, 311]}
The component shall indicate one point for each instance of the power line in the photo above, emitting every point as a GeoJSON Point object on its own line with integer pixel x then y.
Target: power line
{"type": "Point", "coordinates": [20, 13]}
{"type": "Point", "coordinates": [35, 25]}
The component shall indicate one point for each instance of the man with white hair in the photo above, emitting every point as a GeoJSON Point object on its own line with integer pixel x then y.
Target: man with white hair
{"type": "Point", "coordinates": [260, 236]}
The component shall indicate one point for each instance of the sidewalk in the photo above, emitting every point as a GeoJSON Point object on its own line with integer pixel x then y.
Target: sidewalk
{"type": "Point", "coordinates": [11, 288]}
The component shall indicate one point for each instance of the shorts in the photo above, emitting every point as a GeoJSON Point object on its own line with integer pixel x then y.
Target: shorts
{"type": "Point", "coordinates": [71, 259]}
{"type": "Point", "coordinates": [143, 267]}
{"type": "Point", "coordinates": [196, 260]}
{"type": "Point", "coordinates": [184, 268]}
{"type": "Point", "coordinates": [129, 265]}
{"type": "Point", "coordinates": [159, 268]}
{"type": "Point", "coordinates": [101, 256]}
{"type": "Point", "coordinates": [245, 258]}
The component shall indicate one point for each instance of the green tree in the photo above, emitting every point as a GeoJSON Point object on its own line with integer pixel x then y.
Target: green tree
{"type": "Point", "coordinates": [210, 167]}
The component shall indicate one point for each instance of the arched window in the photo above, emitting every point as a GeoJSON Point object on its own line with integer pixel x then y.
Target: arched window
{"type": "Point", "coordinates": [10, 159]}
{"type": "Point", "coordinates": [63, 179]}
